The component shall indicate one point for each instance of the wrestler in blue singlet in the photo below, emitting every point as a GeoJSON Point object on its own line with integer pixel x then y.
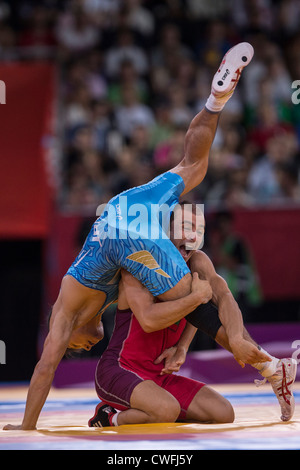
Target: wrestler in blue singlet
{"type": "Point", "coordinates": [131, 234]}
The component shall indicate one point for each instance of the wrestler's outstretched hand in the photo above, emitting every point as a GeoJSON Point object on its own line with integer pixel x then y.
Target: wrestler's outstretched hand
{"type": "Point", "coordinates": [12, 427]}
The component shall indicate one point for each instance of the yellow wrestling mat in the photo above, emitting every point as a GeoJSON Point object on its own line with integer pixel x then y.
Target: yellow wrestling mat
{"type": "Point", "coordinates": [63, 424]}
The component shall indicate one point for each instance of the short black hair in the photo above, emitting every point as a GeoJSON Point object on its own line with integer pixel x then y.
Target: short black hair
{"type": "Point", "coordinates": [183, 203]}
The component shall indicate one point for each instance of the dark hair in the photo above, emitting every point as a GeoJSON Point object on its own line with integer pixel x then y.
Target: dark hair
{"type": "Point", "coordinates": [183, 203]}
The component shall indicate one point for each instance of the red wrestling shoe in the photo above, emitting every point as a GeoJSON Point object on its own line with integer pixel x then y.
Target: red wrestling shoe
{"type": "Point", "coordinates": [102, 417]}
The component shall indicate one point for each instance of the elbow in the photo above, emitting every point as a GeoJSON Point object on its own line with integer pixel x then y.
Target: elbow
{"type": "Point", "coordinates": [147, 326]}
{"type": "Point", "coordinates": [146, 323]}
{"type": "Point", "coordinates": [149, 329]}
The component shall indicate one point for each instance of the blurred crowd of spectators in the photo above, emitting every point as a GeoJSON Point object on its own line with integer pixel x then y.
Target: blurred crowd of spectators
{"type": "Point", "coordinates": [133, 73]}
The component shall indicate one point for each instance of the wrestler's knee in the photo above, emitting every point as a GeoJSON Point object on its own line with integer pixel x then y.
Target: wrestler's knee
{"type": "Point", "coordinates": [158, 405]}
{"type": "Point", "coordinates": [166, 413]}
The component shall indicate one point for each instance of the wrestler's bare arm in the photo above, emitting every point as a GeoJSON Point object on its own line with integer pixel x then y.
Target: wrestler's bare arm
{"type": "Point", "coordinates": [76, 304]}
{"type": "Point", "coordinates": [229, 311]}
{"type": "Point", "coordinates": [41, 381]}
{"type": "Point", "coordinates": [153, 315]}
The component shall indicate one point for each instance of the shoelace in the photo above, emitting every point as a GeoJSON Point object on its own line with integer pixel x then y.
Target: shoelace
{"type": "Point", "coordinates": [259, 383]}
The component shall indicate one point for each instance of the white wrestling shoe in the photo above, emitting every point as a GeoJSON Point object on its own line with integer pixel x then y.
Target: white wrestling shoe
{"type": "Point", "coordinates": [226, 78]}
{"type": "Point", "coordinates": [282, 384]}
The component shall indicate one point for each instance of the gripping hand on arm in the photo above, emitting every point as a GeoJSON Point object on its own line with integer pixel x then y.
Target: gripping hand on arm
{"type": "Point", "coordinates": [154, 316]}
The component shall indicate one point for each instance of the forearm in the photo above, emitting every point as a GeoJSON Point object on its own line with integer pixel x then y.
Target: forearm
{"type": "Point", "coordinates": [187, 337]}
{"type": "Point", "coordinates": [164, 314]}
{"type": "Point", "coordinates": [229, 312]}
{"type": "Point", "coordinates": [230, 317]}
{"type": "Point", "coordinates": [38, 391]}
{"type": "Point", "coordinates": [43, 375]}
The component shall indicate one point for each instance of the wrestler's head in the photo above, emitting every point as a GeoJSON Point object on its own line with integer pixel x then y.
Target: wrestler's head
{"type": "Point", "coordinates": [87, 336]}
{"type": "Point", "coordinates": [84, 337]}
{"type": "Point", "coordinates": [187, 225]}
